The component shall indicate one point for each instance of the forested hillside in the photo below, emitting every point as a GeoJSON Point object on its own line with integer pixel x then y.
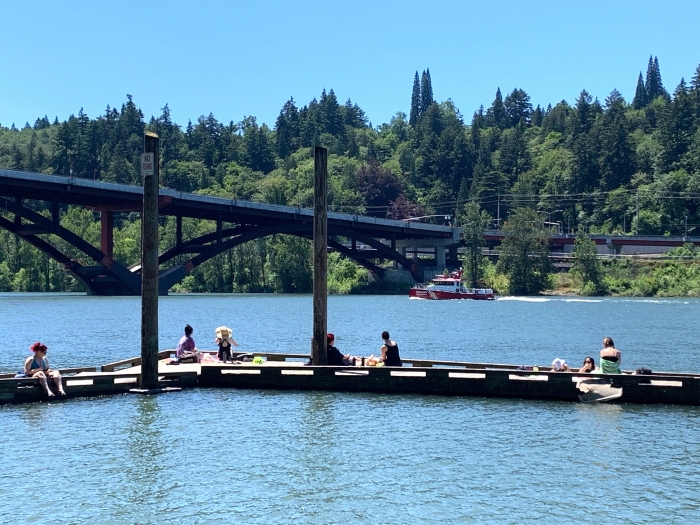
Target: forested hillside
{"type": "Point", "coordinates": [614, 166]}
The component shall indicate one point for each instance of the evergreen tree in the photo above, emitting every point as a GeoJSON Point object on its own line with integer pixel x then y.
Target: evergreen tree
{"type": "Point", "coordinates": [537, 116]}
{"type": "Point", "coordinates": [415, 102]}
{"type": "Point", "coordinates": [695, 95]}
{"type": "Point", "coordinates": [514, 158]}
{"type": "Point", "coordinates": [287, 128]}
{"type": "Point", "coordinates": [353, 115]}
{"type": "Point", "coordinates": [616, 153]}
{"type": "Point", "coordinates": [662, 90]}
{"type": "Point", "coordinates": [556, 118]}
{"type": "Point", "coordinates": [518, 108]}
{"type": "Point", "coordinates": [31, 163]}
{"type": "Point", "coordinates": [330, 115]}
{"type": "Point", "coordinates": [426, 92]}
{"type": "Point", "coordinates": [677, 127]}
{"type": "Point", "coordinates": [582, 145]}
{"type": "Point", "coordinates": [654, 85]}
{"type": "Point", "coordinates": [640, 95]}
{"type": "Point", "coordinates": [16, 158]}
{"type": "Point", "coordinates": [496, 114]}
{"type": "Point", "coordinates": [310, 125]}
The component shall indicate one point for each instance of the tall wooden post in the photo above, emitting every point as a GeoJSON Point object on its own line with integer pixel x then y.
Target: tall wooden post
{"type": "Point", "coordinates": [149, 265]}
{"type": "Point", "coordinates": [318, 343]}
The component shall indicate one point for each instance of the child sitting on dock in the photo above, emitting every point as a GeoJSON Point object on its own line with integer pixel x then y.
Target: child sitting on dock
{"type": "Point", "coordinates": [38, 366]}
{"type": "Point", "coordinates": [186, 349]}
{"type": "Point", "coordinates": [225, 342]}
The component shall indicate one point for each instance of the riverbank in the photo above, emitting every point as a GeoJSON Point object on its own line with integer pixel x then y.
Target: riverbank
{"type": "Point", "coordinates": [637, 278]}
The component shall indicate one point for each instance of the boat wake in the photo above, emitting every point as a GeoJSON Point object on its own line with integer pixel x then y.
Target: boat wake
{"type": "Point", "coordinates": [524, 299]}
{"type": "Point", "coordinates": [583, 300]}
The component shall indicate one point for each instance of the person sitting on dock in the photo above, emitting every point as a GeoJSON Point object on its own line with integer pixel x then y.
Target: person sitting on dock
{"type": "Point", "coordinates": [390, 351]}
{"type": "Point", "coordinates": [588, 366]}
{"type": "Point", "coordinates": [186, 349]}
{"type": "Point", "coordinates": [225, 342]}
{"type": "Point", "coordinates": [559, 365]}
{"type": "Point", "coordinates": [610, 358]}
{"type": "Point", "coordinates": [38, 366]}
{"type": "Point", "coordinates": [334, 357]}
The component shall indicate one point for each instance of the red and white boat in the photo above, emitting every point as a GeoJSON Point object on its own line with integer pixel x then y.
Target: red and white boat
{"type": "Point", "coordinates": [443, 287]}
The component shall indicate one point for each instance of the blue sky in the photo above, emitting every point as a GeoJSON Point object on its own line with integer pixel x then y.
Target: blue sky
{"type": "Point", "coordinates": [244, 57]}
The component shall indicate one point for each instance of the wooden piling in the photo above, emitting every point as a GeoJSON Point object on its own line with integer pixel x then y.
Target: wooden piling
{"type": "Point", "coordinates": [318, 342]}
{"type": "Point", "coordinates": [149, 270]}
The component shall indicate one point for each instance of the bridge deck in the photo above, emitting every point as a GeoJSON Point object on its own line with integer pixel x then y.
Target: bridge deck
{"type": "Point", "coordinates": [110, 196]}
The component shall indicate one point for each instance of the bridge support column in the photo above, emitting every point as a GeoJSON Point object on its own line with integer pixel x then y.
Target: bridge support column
{"type": "Point", "coordinates": [178, 230]}
{"type": "Point", "coordinates": [440, 255]}
{"type": "Point", "coordinates": [107, 234]}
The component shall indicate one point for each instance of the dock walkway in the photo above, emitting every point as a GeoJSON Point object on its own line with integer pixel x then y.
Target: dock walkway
{"type": "Point", "coordinates": [291, 372]}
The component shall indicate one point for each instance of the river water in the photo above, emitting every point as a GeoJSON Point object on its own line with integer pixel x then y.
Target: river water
{"type": "Point", "coordinates": [226, 456]}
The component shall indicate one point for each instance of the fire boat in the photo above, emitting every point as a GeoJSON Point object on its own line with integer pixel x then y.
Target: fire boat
{"type": "Point", "coordinates": [443, 287]}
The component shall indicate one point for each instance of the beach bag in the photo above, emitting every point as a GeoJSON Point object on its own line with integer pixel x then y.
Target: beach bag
{"type": "Point", "coordinates": [643, 371]}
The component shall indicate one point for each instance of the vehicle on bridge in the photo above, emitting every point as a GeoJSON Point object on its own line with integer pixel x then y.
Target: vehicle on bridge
{"type": "Point", "coordinates": [443, 287]}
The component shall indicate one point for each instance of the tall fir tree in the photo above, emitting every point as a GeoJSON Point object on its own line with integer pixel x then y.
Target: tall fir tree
{"type": "Point", "coordinates": [426, 91]}
{"type": "Point", "coordinates": [287, 128]}
{"type": "Point", "coordinates": [537, 116]}
{"type": "Point", "coordinates": [662, 90]}
{"type": "Point", "coordinates": [496, 114]}
{"type": "Point", "coordinates": [654, 85]}
{"type": "Point", "coordinates": [652, 82]}
{"type": "Point", "coordinates": [518, 108]}
{"type": "Point", "coordinates": [676, 127]}
{"type": "Point", "coordinates": [584, 170]}
{"type": "Point", "coordinates": [695, 95]}
{"type": "Point", "coordinates": [640, 95]}
{"type": "Point", "coordinates": [616, 156]}
{"type": "Point", "coordinates": [415, 102]}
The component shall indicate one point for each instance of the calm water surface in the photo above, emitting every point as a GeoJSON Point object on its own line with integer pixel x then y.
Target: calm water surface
{"type": "Point", "coordinates": [224, 456]}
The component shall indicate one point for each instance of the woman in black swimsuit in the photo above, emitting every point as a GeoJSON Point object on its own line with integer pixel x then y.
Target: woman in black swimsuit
{"type": "Point", "coordinates": [390, 351]}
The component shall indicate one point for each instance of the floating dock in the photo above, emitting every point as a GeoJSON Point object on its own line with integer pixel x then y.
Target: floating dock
{"type": "Point", "coordinates": [290, 372]}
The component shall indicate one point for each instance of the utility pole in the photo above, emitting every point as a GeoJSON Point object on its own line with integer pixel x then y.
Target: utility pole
{"type": "Point", "coordinates": [498, 220]}
{"type": "Point", "coordinates": [636, 228]}
{"type": "Point", "coordinates": [320, 329]}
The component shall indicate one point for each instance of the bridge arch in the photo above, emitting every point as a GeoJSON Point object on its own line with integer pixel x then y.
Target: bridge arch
{"type": "Point", "coordinates": [168, 278]}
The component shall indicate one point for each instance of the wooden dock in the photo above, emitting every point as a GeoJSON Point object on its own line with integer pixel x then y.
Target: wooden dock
{"type": "Point", "coordinates": [290, 372]}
